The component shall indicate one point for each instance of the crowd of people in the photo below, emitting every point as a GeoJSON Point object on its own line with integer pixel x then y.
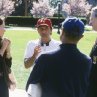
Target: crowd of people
{"type": "Point", "coordinates": [58, 68]}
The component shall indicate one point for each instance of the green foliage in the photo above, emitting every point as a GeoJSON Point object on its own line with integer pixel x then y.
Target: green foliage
{"type": "Point", "coordinates": [23, 21]}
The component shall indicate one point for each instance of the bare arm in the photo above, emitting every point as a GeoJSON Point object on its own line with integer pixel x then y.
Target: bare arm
{"type": "Point", "coordinates": [8, 51]}
{"type": "Point", "coordinates": [12, 78]}
{"type": "Point", "coordinates": [28, 62]}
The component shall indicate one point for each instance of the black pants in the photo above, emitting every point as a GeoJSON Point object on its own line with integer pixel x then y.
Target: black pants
{"type": "Point", "coordinates": [4, 92]}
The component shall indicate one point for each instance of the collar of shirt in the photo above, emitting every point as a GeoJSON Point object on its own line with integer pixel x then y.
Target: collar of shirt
{"type": "Point", "coordinates": [47, 44]}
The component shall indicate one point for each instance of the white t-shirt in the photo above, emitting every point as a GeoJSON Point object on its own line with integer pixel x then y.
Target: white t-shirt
{"type": "Point", "coordinates": [34, 90]}
{"type": "Point", "coordinates": [53, 45]}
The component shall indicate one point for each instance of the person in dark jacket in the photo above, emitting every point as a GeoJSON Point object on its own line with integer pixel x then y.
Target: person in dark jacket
{"type": "Point", "coordinates": [5, 63]}
{"type": "Point", "coordinates": [92, 90]}
{"type": "Point", "coordinates": [64, 72]}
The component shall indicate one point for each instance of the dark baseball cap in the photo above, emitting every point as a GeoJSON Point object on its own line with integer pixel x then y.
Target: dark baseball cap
{"type": "Point", "coordinates": [73, 25]}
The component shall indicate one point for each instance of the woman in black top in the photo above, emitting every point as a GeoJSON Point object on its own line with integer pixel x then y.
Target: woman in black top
{"type": "Point", "coordinates": [5, 63]}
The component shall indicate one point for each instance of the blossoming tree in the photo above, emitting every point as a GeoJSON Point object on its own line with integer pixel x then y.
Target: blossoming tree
{"type": "Point", "coordinates": [42, 9]}
{"type": "Point", "coordinates": [76, 7]}
{"type": "Point", "coordinates": [6, 7]}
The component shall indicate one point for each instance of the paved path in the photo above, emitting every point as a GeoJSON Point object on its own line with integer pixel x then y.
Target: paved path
{"type": "Point", "coordinates": [20, 28]}
{"type": "Point", "coordinates": [33, 29]}
{"type": "Point", "coordinates": [17, 93]}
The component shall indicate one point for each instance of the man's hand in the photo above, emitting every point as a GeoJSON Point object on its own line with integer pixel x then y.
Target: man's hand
{"type": "Point", "coordinates": [37, 50]}
{"type": "Point", "coordinates": [28, 62]}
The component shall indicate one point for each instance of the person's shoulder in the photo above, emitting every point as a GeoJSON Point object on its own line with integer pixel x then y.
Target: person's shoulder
{"type": "Point", "coordinates": [86, 57]}
{"type": "Point", "coordinates": [31, 42]}
{"type": "Point", "coordinates": [56, 41]}
{"type": "Point", "coordinates": [50, 52]}
{"type": "Point", "coordinates": [44, 58]}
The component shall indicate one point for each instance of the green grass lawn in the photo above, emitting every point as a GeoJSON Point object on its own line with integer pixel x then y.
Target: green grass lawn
{"type": "Point", "coordinates": [19, 40]}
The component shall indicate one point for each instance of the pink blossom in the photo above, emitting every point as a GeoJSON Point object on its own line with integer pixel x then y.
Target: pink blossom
{"type": "Point", "coordinates": [6, 7]}
{"type": "Point", "coordinates": [79, 7]}
{"type": "Point", "coordinates": [66, 8]}
{"type": "Point", "coordinates": [42, 9]}
{"type": "Point", "coordinates": [76, 8]}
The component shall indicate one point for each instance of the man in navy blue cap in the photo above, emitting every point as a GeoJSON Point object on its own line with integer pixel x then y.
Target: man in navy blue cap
{"type": "Point", "coordinates": [64, 72]}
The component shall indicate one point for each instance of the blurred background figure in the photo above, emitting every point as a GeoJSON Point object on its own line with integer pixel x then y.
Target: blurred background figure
{"type": "Point", "coordinates": [92, 91]}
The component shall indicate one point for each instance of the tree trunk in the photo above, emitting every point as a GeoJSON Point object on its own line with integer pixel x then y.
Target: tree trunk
{"type": "Point", "coordinates": [26, 7]}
